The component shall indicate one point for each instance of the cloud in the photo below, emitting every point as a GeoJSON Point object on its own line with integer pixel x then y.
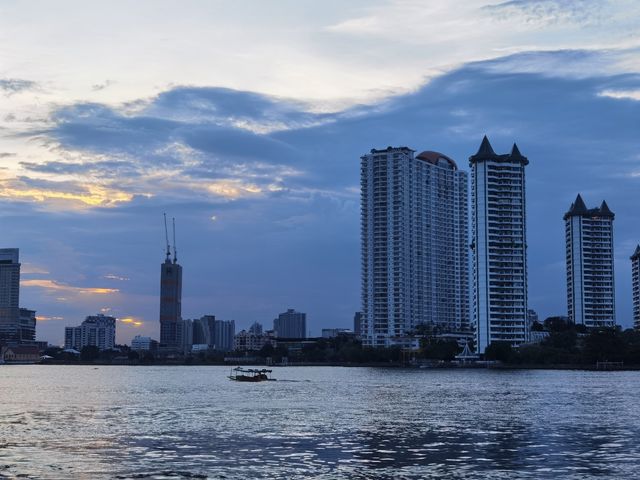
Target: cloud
{"type": "Point", "coordinates": [551, 12]}
{"type": "Point", "coordinates": [11, 86]}
{"type": "Point", "coordinates": [621, 94]}
{"type": "Point", "coordinates": [42, 318]}
{"type": "Point", "coordinates": [101, 86]}
{"type": "Point", "coordinates": [119, 278]}
{"type": "Point", "coordinates": [82, 194]}
{"type": "Point", "coordinates": [30, 269]}
{"type": "Point", "coordinates": [53, 286]}
{"type": "Point", "coordinates": [131, 321]}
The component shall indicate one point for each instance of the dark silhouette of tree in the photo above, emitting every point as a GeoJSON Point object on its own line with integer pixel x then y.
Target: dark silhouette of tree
{"type": "Point", "coordinates": [90, 353]}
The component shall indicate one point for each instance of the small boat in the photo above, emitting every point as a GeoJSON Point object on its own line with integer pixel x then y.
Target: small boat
{"type": "Point", "coordinates": [239, 374]}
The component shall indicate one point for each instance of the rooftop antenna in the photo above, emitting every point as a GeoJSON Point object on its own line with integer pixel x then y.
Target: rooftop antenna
{"type": "Point", "coordinates": [166, 235]}
{"type": "Point", "coordinates": [175, 250]}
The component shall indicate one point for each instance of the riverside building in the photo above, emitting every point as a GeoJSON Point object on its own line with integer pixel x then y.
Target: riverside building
{"type": "Point", "coordinates": [589, 253]}
{"type": "Point", "coordinates": [9, 295]}
{"type": "Point", "coordinates": [96, 330]}
{"type": "Point", "coordinates": [291, 324]}
{"type": "Point", "coordinates": [635, 282]}
{"type": "Point", "coordinates": [499, 244]}
{"type": "Point", "coordinates": [414, 231]}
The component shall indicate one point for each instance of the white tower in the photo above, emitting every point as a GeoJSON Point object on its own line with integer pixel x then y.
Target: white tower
{"type": "Point", "coordinates": [590, 278]}
{"type": "Point", "coordinates": [499, 243]}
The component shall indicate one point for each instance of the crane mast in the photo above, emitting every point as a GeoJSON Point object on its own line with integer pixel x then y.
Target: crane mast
{"type": "Point", "coordinates": [166, 235]}
{"type": "Point", "coordinates": [175, 250]}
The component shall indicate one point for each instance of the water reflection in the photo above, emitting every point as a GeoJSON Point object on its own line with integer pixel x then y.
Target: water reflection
{"type": "Point", "coordinates": [172, 422]}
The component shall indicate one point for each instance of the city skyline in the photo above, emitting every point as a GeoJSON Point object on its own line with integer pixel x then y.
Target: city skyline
{"type": "Point", "coordinates": [255, 151]}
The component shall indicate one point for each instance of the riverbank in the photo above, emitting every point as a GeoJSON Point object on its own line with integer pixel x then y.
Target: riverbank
{"type": "Point", "coordinates": [393, 365]}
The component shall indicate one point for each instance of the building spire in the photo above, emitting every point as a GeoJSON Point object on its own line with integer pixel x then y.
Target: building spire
{"type": "Point", "coordinates": [605, 210]}
{"type": "Point", "coordinates": [636, 254]}
{"type": "Point", "coordinates": [577, 208]}
{"type": "Point", "coordinates": [485, 149]}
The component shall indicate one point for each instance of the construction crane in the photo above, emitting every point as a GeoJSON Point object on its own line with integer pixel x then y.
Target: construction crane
{"type": "Point", "coordinates": [175, 250]}
{"type": "Point", "coordinates": [166, 235]}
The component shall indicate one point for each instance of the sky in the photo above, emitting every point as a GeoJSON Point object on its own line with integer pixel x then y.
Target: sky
{"type": "Point", "coordinates": [245, 121]}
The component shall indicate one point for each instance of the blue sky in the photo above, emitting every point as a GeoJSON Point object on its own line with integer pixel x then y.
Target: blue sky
{"type": "Point", "coordinates": [246, 120]}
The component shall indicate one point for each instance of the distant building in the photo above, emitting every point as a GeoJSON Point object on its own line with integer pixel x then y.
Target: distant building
{"type": "Point", "coordinates": [499, 244]}
{"type": "Point", "coordinates": [27, 326]}
{"type": "Point", "coordinates": [140, 343]}
{"type": "Point", "coordinates": [357, 323]}
{"type": "Point", "coordinates": [291, 324]}
{"type": "Point", "coordinates": [538, 337]}
{"type": "Point", "coordinates": [170, 300]}
{"type": "Point", "coordinates": [19, 354]}
{"type": "Point", "coordinates": [635, 281]}
{"type": "Point", "coordinates": [224, 334]}
{"type": "Point", "coordinates": [9, 295]}
{"type": "Point", "coordinates": [414, 239]}
{"type": "Point", "coordinates": [185, 332]}
{"type": "Point", "coordinates": [256, 328]}
{"type": "Point", "coordinates": [532, 317]}
{"type": "Point", "coordinates": [590, 276]}
{"type": "Point", "coordinates": [96, 330]}
{"type": "Point", "coordinates": [336, 332]}
{"type": "Point", "coordinates": [248, 340]}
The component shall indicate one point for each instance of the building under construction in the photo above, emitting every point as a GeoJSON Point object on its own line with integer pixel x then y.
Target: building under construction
{"type": "Point", "coordinates": [170, 295]}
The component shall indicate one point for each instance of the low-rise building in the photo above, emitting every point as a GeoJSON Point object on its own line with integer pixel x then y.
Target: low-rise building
{"type": "Point", "coordinates": [249, 341]}
{"type": "Point", "coordinates": [20, 354]}
{"type": "Point", "coordinates": [140, 343]}
{"type": "Point", "coordinates": [336, 332]}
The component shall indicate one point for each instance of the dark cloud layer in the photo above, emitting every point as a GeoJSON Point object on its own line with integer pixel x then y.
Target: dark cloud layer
{"type": "Point", "coordinates": [297, 245]}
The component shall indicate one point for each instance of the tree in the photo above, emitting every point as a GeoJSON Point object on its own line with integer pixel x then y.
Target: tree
{"type": "Point", "coordinates": [604, 345]}
{"type": "Point", "coordinates": [89, 353]}
{"type": "Point", "coordinates": [557, 324]}
{"type": "Point", "coordinates": [501, 351]}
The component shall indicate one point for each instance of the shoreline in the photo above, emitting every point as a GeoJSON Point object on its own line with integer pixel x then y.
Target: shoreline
{"type": "Point", "coordinates": [496, 366]}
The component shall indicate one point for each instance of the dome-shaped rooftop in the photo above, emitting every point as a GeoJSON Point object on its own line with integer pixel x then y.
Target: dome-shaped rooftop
{"type": "Point", "coordinates": [435, 157]}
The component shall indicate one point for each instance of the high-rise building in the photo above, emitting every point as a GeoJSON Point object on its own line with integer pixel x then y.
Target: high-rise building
{"type": "Point", "coordinates": [27, 326]}
{"type": "Point", "coordinates": [9, 294]}
{"type": "Point", "coordinates": [186, 333]}
{"type": "Point", "coordinates": [96, 330]}
{"type": "Point", "coordinates": [589, 252]}
{"type": "Point", "coordinates": [291, 324]}
{"type": "Point", "coordinates": [414, 226]}
{"type": "Point", "coordinates": [635, 282]}
{"type": "Point", "coordinates": [357, 323]}
{"type": "Point", "coordinates": [170, 300]}
{"type": "Point", "coordinates": [224, 333]}
{"type": "Point", "coordinates": [499, 243]}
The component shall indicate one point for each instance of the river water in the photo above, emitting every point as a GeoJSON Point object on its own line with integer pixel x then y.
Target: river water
{"type": "Point", "coordinates": [88, 422]}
